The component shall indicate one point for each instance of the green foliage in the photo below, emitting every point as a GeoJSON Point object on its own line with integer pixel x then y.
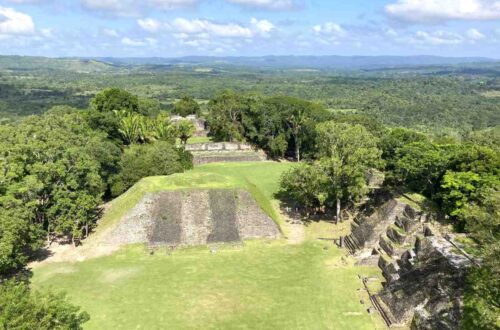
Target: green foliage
{"type": "Point", "coordinates": [396, 138]}
{"type": "Point", "coordinates": [421, 165]}
{"type": "Point", "coordinates": [346, 152]}
{"type": "Point", "coordinates": [305, 184]}
{"type": "Point", "coordinates": [50, 179]}
{"type": "Point", "coordinates": [139, 161]}
{"type": "Point", "coordinates": [115, 99]}
{"type": "Point", "coordinates": [162, 128]}
{"type": "Point", "coordinates": [19, 238]}
{"type": "Point", "coordinates": [482, 296]}
{"type": "Point", "coordinates": [149, 107]}
{"type": "Point", "coordinates": [22, 309]}
{"type": "Point", "coordinates": [225, 116]}
{"type": "Point", "coordinates": [184, 129]}
{"type": "Point", "coordinates": [136, 128]}
{"type": "Point", "coordinates": [279, 125]}
{"type": "Point", "coordinates": [186, 106]}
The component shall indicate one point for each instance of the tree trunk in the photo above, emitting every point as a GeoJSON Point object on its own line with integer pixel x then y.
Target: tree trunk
{"type": "Point", "coordinates": [337, 218]}
{"type": "Point", "coordinates": [297, 149]}
{"type": "Point", "coordinates": [86, 230]}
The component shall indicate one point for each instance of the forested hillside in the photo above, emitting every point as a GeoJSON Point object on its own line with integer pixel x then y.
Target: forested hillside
{"type": "Point", "coordinates": [439, 99]}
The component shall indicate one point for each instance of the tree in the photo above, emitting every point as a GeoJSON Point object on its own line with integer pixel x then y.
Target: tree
{"type": "Point", "coordinates": [139, 161]}
{"type": "Point", "coordinates": [113, 99]}
{"type": "Point", "coordinates": [346, 153]}
{"type": "Point", "coordinates": [185, 129]}
{"type": "Point", "coordinates": [394, 139]}
{"type": "Point", "coordinates": [149, 107]}
{"type": "Point", "coordinates": [225, 116]}
{"type": "Point", "coordinates": [22, 309]}
{"type": "Point", "coordinates": [50, 174]}
{"type": "Point", "coordinates": [296, 115]}
{"type": "Point", "coordinates": [186, 106]}
{"type": "Point", "coordinates": [482, 294]}
{"type": "Point", "coordinates": [421, 165]}
{"type": "Point", "coordinates": [305, 184]}
{"type": "Point", "coordinates": [163, 130]}
{"type": "Point", "coordinates": [20, 236]}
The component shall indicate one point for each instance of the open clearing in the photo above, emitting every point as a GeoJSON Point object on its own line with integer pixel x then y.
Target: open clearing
{"type": "Point", "coordinates": [254, 285]}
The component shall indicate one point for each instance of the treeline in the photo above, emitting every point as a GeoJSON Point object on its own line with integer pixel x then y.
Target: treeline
{"type": "Point", "coordinates": [56, 170]}
{"type": "Point", "coordinates": [453, 103]}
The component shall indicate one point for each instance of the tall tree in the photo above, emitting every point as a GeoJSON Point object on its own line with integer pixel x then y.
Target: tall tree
{"type": "Point", "coordinates": [346, 153]}
{"type": "Point", "coordinates": [186, 106]}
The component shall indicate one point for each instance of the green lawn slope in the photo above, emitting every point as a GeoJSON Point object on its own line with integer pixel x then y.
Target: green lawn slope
{"type": "Point", "coordinates": [255, 285]}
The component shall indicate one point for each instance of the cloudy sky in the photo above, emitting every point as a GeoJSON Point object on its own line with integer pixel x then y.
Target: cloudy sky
{"type": "Point", "coordinates": [170, 28]}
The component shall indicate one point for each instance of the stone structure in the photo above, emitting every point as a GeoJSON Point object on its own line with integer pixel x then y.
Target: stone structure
{"type": "Point", "coordinates": [424, 271]}
{"type": "Point", "coordinates": [193, 217]}
{"type": "Point", "coordinates": [204, 153]}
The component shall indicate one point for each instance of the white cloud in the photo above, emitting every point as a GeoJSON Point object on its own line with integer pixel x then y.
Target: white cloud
{"type": "Point", "coordinates": [13, 22]}
{"type": "Point", "coordinates": [171, 4]}
{"type": "Point", "coordinates": [433, 11]}
{"type": "Point", "coordinates": [436, 38]}
{"type": "Point", "coordinates": [263, 27]}
{"type": "Point", "coordinates": [475, 34]}
{"type": "Point", "coordinates": [134, 7]}
{"type": "Point", "coordinates": [330, 29]}
{"type": "Point", "coordinates": [115, 7]}
{"type": "Point", "coordinates": [150, 24]}
{"type": "Point", "coordinates": [197, 26]}
{"type": "Point", "coordinates": [138, 42]}
{"type": "Point", "coordinates": [267, 4]}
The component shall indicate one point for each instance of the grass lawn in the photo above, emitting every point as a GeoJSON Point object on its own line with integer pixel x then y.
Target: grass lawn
{"type": "Point", "coordinates": [256, 286]}
{"type": "Point", "coordinates": [196, 139]}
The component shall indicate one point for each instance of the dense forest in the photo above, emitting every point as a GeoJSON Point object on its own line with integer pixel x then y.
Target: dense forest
{"type": "Point", "coordinates": [436, 99]}
{"type": "Point", "coordinates": [69, 142]}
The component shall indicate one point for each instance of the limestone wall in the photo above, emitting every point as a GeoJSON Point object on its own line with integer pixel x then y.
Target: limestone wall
{"type": "Point", "coordinates": [194, 217]}
{"type": "Point", "coordinates": [219, 146]}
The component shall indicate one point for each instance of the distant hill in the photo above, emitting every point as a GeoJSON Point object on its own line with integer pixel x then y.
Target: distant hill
{"type": "Point", "coordinates": [33, 63]}
{"type": "Point", "coordinates": [103, 64]}
{"type": "Point", "coordinates": [314, 62]}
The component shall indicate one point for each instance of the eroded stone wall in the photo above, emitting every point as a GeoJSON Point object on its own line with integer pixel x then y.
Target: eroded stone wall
{"type": "Point", "coordinates": [193, 217]}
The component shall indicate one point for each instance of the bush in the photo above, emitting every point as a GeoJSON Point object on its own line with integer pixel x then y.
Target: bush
{"type": "Point", "coordinates": [139, 161]}
{"type": "Point", "coordinates": [22, 309]}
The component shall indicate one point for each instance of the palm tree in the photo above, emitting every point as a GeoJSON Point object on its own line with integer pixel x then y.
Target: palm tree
{"type": "Point", "coordinates": [185, 129]}
{"type": "Point", "coordinates": [130, 128]}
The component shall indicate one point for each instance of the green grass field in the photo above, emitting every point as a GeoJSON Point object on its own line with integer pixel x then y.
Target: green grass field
{"type": "Point", "coordinates": [255, 285]}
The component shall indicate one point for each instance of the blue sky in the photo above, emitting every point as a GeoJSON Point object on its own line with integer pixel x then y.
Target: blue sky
{"type": "Point", "coordinates": [170, 28]}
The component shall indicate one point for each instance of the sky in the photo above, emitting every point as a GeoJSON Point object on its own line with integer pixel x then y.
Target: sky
{"type": "Point", "coordinates": [173, 28]}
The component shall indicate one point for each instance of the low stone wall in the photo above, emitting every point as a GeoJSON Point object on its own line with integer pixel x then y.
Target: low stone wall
{"type": "Point", "coordinates": [219, 146]}
{"type": "Point", "coordinates": [205, 158]}
{"type": "Point", "coordinates": [194, 217]}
